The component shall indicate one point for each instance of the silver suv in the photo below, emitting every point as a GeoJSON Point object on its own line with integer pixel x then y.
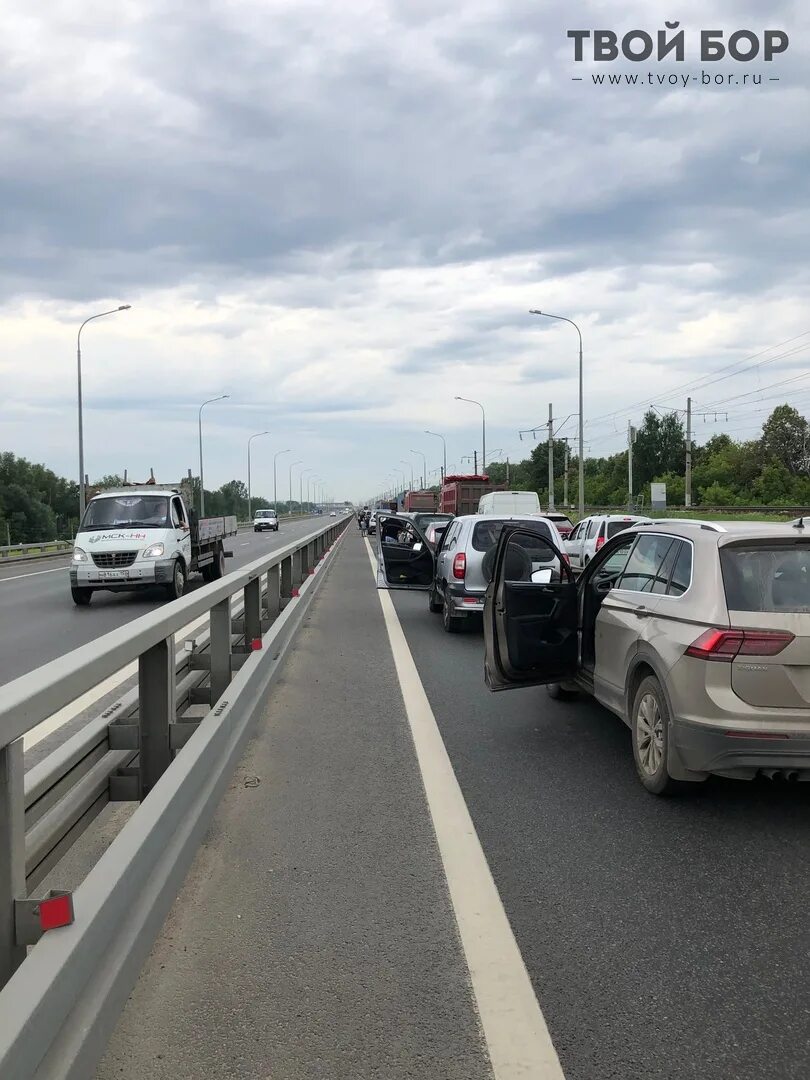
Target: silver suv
{"type": "Point", "coordinates": [586, 538]}
{"type": "Point", "coordinates": [696, 634]}
{"type": "Point", "coordinates": [453, 571]}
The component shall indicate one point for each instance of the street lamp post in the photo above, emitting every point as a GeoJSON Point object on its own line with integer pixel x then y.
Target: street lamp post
{"type": "Point", "coordinates": [101, 314]}
{"type": "Point", "coordinates": [276, 456]}
{"type": "Point", "coordinates": [250, 440]}
{"type": "Point", "coordinates": [301, 487]}
{"type": "Point", "coordinates": [402, 461]}
{"type": "Point", "coordinates": [444, 451]}
{"type": "Point", "coordinates": [424, 466]}
{"type": "Point", "coordinates": [472, 401]}
{"type": "Point", "coordinates": [562, 318]}
{"type": "Point", "coordinates": [292, 466]}
{"type": "Point", "coordinates": [199, 421]}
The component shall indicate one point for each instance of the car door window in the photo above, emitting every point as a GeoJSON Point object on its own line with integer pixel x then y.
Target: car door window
{"type": "Point", "coordinates": [178, 518]}
{"type": "Point", "coordinates": [645, 562]}
{"type": "Point", "coordinates": [660, 585]}
{"type": "Point", "coordinates": [593, 525]}
{"type": "Point", "coordinates": [681, 577]}
{"type": "Point", "coordinates": [576, 532]}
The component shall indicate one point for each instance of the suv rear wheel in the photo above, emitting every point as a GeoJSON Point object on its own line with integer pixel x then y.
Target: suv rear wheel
{"type": "Point", "coordinates": [450, 624]}
{"type": "Point", "coordinates": [650, 732]}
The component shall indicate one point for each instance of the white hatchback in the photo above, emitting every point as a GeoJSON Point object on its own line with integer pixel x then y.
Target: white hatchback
{"type": "Point", "coordinates": [592, 532]}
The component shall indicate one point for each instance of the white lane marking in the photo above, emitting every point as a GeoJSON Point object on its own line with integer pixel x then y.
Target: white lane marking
{"type": "Point", "coordinates": [71, 711]}
{"type": "Point", "coordinates": [36, 573]}
{"type": "Point", "coordinates": [515, 1031]}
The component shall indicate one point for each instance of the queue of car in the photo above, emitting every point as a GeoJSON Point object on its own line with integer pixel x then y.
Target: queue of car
{"type": "Point", "coordinates": [696, 634]}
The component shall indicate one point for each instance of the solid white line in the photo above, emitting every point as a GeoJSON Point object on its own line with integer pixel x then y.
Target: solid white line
{"type": "Point", "coordinates": [515, 1031]}
{"type": "Point", "coordinates": [36, 573]}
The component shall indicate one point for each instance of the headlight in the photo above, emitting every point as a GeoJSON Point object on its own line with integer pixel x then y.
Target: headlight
{"type": "Point", "coordinates": [79, 555]}
{"type": "Point", "coordinates": [153, 552]}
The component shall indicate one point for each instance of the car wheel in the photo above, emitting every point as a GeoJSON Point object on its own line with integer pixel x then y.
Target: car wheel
{"type": "Point", "coordinates": [216, 569]}
{"type": "Point", "coordinates": [177, 586]}
{"type": "Point", "coordinates": [650, 733]}
{"type": "Point", "coordinates": [450, 624]}
{"type": "Point", "coordinates": [557, 692]}
{"type": "Point", "coordinates": [81, 597]}
{"type": "Point", "coordinates": [434, 603]}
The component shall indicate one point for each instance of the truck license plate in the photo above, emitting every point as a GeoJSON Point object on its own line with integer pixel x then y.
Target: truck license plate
{"type": "Point", "coordinates": [113, 575]}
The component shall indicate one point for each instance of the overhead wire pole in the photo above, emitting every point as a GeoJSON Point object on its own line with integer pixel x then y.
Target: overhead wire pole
{"type": "Point", "coordinates": [687, 495]}
{"type": "Point", "coordinates": [551, 457]}
{"type": "Point", "coordinates": [221, 397]}
{"type": "Point", "coordinates": [563, 318]}
{"type": "Point", "coordinates": [402, 461]}
{"type": "Point", "coordinates": [101, 315]}
{"type": "Point", "coordinates": [631, 438]}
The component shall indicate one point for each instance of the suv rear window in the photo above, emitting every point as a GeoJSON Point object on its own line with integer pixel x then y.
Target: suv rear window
{"type": "Point", "coordinates": [486, 534]}
{"type": "Point", "coordinates": [766, 578]}
{"type": "Point", "coordinates": [615, 527]}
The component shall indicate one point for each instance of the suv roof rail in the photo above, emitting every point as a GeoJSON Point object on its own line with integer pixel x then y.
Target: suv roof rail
{"type": "Point", "coordinates": [709, 526]}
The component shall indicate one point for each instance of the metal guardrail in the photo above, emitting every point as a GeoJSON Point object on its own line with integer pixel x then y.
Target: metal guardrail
{"type": "Point", "coordinates": [60, 1003]}
{"type": "Point", "coordinates": [51, 549]}
{"type": "Point", "coordinates": [43, 549]}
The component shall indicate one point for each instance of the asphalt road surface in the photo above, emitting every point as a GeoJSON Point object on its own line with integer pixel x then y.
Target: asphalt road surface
{"type": "Point", "coordinates": [664, 938]}
{"type": "Point", "coordinates": [39, 621]}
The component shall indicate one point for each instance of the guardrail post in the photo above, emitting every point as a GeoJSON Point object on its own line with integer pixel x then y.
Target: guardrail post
{"type": "Point", "coordinates": [220, 648]}
{"type": "Point", "coordinates": [12, 855]}
{"type": "Point", "coordinates": [156, 692]}
{"type": "Point", "coordinates": [272, 597]}
{"type": "Point", "coordinates": [287, 578]}
{"type": "Point", "coordinates": [253, 612]}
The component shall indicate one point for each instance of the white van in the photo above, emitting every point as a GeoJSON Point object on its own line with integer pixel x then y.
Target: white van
{"type": "Point", "coordinates": [509, 503]}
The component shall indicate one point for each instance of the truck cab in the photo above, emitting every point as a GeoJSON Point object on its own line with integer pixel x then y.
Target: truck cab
{"type": "Point", "coordinates": [144, 535]}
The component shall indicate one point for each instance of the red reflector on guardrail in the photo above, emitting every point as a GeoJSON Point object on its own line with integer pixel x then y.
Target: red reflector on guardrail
{"type": "Point", "coordinates": [295, 593]}
{"type": "Point", "coordinates": [56, 911]}
{"type": "Point", "coordinates": [256, 644]}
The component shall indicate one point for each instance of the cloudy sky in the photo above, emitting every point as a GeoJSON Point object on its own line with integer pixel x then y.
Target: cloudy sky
{"type": "Point", "coordinates": [340, 213]}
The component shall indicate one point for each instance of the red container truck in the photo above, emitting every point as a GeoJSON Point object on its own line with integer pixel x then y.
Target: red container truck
{"type": "Point", "coordinates": [460, 494]}
{"type": "Point", "coordinates": [420, 500]}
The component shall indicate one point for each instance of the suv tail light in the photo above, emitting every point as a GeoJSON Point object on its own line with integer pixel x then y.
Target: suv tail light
{"type": "Point", "coordinates": [460, 566]}
{"type": "Point", "coordinates": [599, 541]}
{"type": "Point", "coordinates": [724, 645]}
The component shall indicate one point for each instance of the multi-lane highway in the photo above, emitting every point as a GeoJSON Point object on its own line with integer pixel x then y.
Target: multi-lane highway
{"type": "Point", "coordinates": [39, 621]}
{"type": "Point", "coordinates": [664, 939]}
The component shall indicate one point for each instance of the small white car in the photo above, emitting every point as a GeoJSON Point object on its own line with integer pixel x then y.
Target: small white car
{"type": "Point", "coordinates": [592, 532]}
{"type": "Point", "coordinates": [333, 514]}
{"type": "Point", "coordinates": [265, 519]}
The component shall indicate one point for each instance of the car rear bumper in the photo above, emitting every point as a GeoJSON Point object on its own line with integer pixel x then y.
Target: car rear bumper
{"type": "Point", "coordinates": [741, 753]}
{"type": "Point", "coordinates": [463, 602]}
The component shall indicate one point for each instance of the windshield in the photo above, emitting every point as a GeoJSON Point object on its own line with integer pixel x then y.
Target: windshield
{"type": "Point", "coordinates": [773, 578]}
{"type": "Point", "coordinates": [146, 511]}
{"type": "Point", "coordinates": [265, 513]}
{"type": "Point", "coordinates": [487, 533]}
{"type": "Point", "coordinates": [615, 527]}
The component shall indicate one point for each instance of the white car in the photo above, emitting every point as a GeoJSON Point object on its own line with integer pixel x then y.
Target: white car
{"type": "Point", "coordinates": [333, 514]}
{"type": "Point", "coordinates": [592, 532]}
{"type": "Point", "coordinates": [265, 519]}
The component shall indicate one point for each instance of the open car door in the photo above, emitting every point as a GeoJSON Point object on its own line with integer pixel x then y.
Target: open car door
{"type": "Point", "coordinates": [530, 614]}
{"type": "Point", "coordinates": [405, 560]}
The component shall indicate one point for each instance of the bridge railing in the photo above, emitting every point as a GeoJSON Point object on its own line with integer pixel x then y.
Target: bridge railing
{"type": "Point", "coordinates": [60, 1001]}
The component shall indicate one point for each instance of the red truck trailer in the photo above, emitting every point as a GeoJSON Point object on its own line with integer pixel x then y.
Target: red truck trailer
{"type": "Point", "coordinates": [421, 500]}
{"type": "Point", "coordinates": [460, 494]}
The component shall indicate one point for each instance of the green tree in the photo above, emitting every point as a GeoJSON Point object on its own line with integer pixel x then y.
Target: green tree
{"type": "Point", "coordinates": [784, 439]}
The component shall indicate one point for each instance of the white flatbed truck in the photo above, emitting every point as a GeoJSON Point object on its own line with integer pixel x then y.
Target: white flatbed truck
{"type": "Point", "coordinates": [140, 535]}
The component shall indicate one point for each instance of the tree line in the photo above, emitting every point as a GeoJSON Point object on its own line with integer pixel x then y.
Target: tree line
{"type": "Point", "coordinates": [36, 504]}
{"type": "Point", "coordinates": [771, 470]}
